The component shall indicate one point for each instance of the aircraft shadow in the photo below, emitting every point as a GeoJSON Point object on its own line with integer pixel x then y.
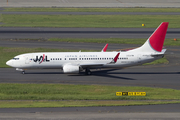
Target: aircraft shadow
{"type": "Point", "coordinates": [144, 73]}
{"type": "Point", "coordinates": [44, 73]}
{"type": "Point", "coordinates": [103, 73]}
{"type": "Point", "coordinates": [106, 73]}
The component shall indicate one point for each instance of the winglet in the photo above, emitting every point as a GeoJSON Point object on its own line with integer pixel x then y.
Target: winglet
{"type": "Point", "coordinates": [115, 59]}
{"type": "Point", "coordinates": [105, 48]}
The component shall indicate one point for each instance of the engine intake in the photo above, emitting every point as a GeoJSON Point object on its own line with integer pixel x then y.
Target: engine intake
{"type": "Point", "coordinates": [71, 69]}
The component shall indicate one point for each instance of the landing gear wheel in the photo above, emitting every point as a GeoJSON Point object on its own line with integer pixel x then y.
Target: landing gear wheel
{"type": "Point", "coordinates": [23, 72]}
{"type": "Point", "coordinates": [88, 72]}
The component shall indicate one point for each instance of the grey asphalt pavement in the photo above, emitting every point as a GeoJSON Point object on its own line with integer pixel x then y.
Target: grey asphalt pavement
{"type": "Point", "coordinates": [89, 3]}
{"type": "Point", "coordinates": [90, 116]}
{"type": "Point", "coordinates": [94, 13]}
{"type": "Point", "coordinates": [45, 33]}
{"type": "Point", "coordinates": [146, 112]}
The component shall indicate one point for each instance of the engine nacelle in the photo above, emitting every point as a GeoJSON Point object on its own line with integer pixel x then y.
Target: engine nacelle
{"type": "Point", "coordinates": [71, 69]}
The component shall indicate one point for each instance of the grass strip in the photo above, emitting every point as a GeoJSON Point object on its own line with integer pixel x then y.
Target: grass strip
{"type": "Point", "coordinates": [7, 53]}
{"type": "Point", "coordinates": [168, 42]}
{"type": "Point", "coordinates": [77, 103]}
{"type": "Point", "coordinates": [103, 21]}
{"type": "Point", "coordinates": [38, 9]}
{"type": "Point", "coordinates": [159, 61]}
{"type": "Point", "coordinates": [81, 92]}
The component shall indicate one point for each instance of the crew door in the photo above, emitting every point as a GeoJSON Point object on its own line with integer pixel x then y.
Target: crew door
{"type": "Point", "coordinates": [28, 59]}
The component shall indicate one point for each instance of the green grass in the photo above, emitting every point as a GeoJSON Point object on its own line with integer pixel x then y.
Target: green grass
{"type": "Point", "coordinates": [65, 95]}
{"type": "Point", "coordinates": [107, 21]}
{"type": "Point", "coordinates": [1, 18]}
{"type": "Point", "coordinates": [77, 103]}
{"type": "Point", "coordinates": [8, 53]}
{"type": "Point", "coordinates": [159, 61]}
{"type": "Point", "coordinates": [92, 9]}
{"type": "Point", "coordinates": [81, 92]}
{"type": "Point", "coordinates": [168, 42]}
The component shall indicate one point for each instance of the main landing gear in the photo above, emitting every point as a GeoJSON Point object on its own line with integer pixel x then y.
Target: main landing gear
{"type": "Point", "coordinates": [23, 72]}
{"type": "Point", "coordinates": [87, 71]}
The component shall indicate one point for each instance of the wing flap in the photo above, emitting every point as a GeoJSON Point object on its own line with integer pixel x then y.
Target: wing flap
{"type": "Point", "coordinates": [91, 65]}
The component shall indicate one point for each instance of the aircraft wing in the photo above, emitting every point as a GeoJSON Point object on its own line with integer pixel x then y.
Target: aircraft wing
{"type": "Point", "coordinates": [91, 65]}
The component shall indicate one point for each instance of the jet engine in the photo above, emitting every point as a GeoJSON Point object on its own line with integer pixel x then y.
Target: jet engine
{"type": "Point", "coordinates": [71, 69]}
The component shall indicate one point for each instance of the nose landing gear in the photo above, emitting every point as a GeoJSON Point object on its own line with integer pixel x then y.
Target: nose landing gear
{"type": "Point", "coordinates": [22, 70]}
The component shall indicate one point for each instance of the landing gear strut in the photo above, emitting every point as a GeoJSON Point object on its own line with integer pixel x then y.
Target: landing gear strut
{"type": "Point", "coordinates": [23, 72]}
{"type": "Point", "coordinates": [87, 71]}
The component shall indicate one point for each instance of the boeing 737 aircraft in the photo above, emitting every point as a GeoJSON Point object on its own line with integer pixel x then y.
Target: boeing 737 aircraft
{"type": "Point", "coordinates": [74, 62]}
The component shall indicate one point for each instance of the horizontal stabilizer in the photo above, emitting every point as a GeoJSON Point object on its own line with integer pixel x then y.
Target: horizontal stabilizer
{"type": "Point", "coordinates": [159, 54]}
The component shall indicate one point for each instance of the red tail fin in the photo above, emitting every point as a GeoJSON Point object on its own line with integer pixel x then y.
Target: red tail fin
{"type": "Point", "coordinates": [159, 35]}
{"type": "Point", "coordinates": [105, 48]}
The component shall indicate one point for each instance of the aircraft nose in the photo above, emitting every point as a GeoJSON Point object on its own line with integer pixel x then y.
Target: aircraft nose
{"type": "Point", "coordinates": [9, 63]}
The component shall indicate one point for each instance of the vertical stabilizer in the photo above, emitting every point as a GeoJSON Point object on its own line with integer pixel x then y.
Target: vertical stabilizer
{"type": "Point", "coordinates": [156, 40]}
{"type": "Point", "coordinates": [105, 48]}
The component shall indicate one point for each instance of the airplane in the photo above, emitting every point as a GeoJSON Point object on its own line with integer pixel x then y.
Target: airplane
{"type": "Point", "coordinates": [75, 62]}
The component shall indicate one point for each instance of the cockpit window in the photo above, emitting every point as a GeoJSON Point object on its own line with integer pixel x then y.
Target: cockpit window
{"type": "Point", "coordinates": [15, 58]}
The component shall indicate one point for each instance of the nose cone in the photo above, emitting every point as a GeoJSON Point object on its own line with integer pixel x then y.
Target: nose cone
{"type": "Point", "coordinates": [9, 63]}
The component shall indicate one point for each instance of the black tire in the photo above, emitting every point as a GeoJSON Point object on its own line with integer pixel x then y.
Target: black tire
{"type": "Point", "coordinates": [88, 72]}
{"type": "Point", "coordinates": [23, 72]}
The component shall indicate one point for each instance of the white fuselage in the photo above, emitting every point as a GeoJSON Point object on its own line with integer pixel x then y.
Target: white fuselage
{"type": "Point", "coordinates": [59, 59]}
